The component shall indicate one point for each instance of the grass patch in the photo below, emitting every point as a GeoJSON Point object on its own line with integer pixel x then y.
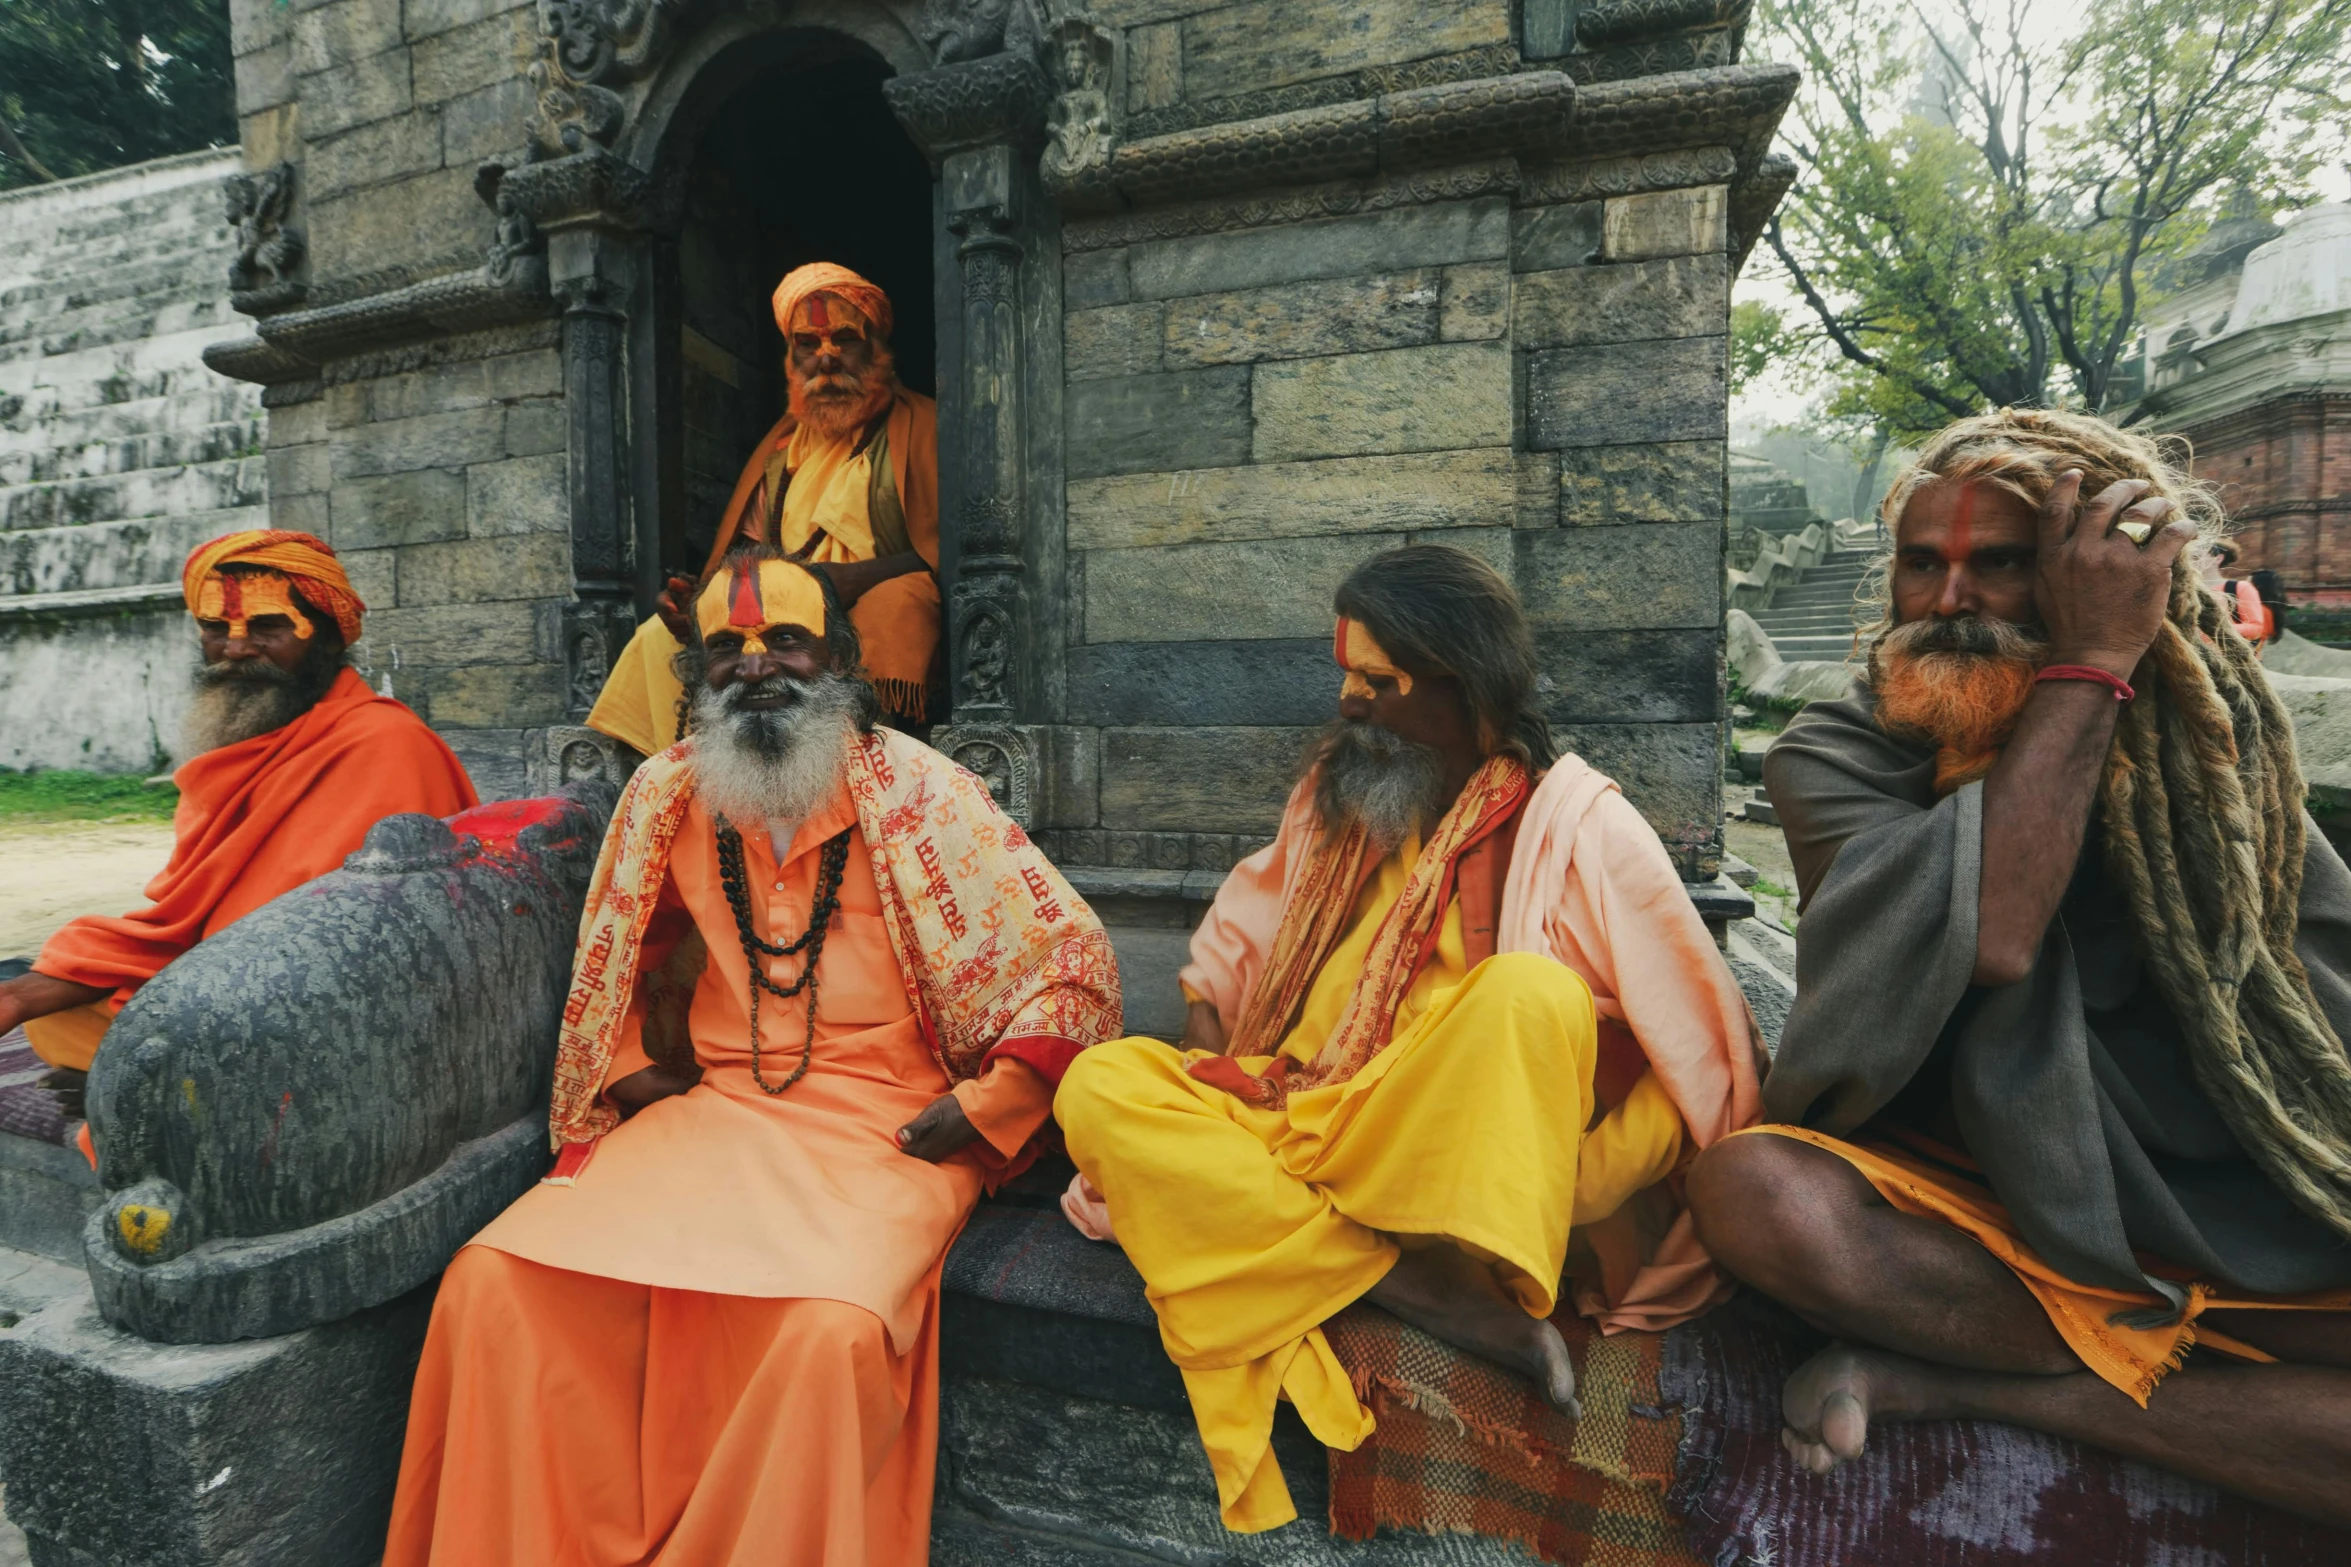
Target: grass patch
{"type": "Point", "coordinates": [56, 795]}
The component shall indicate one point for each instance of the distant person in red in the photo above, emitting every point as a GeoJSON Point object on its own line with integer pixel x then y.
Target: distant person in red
{"type": "Point", "coordinates": [2256, 602]}
{"type": "Point", "coordinates": [291, 759]}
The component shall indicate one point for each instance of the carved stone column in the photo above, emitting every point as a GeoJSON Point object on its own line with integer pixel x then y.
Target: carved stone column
{"type": "Point", "coordinates": [981, 122]}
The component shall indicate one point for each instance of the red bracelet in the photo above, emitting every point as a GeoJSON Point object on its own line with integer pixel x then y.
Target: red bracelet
{"type": "Point", "coordinates": [2095, 676]}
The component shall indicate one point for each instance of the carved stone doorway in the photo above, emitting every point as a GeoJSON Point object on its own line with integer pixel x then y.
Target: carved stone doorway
{"type": "Point", "coordinates": [797, 159]}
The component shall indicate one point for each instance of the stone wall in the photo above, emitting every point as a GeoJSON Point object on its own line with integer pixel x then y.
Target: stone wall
{"type": "Point", "coordinates": [1251, 413]}
{"type": "Point", "coordinates": [119, 451]}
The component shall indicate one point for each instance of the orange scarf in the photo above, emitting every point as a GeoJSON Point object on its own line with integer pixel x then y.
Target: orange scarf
{"type": "Point", "coordinates": [1315, 917]}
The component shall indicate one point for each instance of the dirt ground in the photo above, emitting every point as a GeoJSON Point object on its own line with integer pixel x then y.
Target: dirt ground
{"type": "Point", "coordinates": [1765, 849]}
{"type": "Point", "coordinates": [52, 871]}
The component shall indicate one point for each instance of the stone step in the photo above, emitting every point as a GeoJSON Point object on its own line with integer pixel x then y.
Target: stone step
{"type": "Point", "coordinates": [37, 423]}
{"type": "Point", "coordinates": [172, 270]}
{"type": "Point", "coordinates": [102, 328]}
{"type": "Point", "coordinates": [86, 557]}
{"type": "Point", "coordinates": [1830, 650]}
{"type": "Point", "coordinates": [154, 492]}
{"type": "Point", "coordinates": [130, 454]}
{"type": "Point", "coordinates": [33, 388]}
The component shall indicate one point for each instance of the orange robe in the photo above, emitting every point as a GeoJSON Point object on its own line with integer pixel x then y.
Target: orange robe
{"type": "Point", "coordinates": [719, 1343]}
{"type": "Point", "coordinates": [255, 819]}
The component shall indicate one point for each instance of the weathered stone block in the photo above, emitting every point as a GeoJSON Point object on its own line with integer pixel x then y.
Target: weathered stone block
{"type": "Point", "coordinates": [1544, 239]}
{"type": "Point", "coordinates": [298, 424]}
{"type": "Point", "coordinates": [520, 495]}
{"type": "Point", "coordinates": [475, 571]}
{"type": "Point", "coordinates": [1578, 580]}
{"type": "Point", "coordinates": [401, 508]}
{"type": "Point", "coordinates": [370, 154]}
{"type": "Point", "coordinates": [1672, 775]}
{"type": "Point", "coordinates": [1412, 490]}
{"type": "Point", "coordinates": [1645, 677]}
{"type": "Point", "coordinates": [536, 427]}
{"type": "Point", "coordinates": [1680, 296]}
{"type": "Point", "coordinates": [1204, 592]}
{"type": "Point", "coordinates": [342, 31]}
{"type": "Point", "coordinates": [495, 760]}
{"type": "Point", "coordinates": [269, 136]}
{"type": "Point", "coordinates": [485, 122]}
{"type": "Point", "coordinates": [1155, 66]}
{"type": "Point", "coordinates": [302, 513]}
{"type": "Point", "coordinates": [1476, 302]}
{"type": "Point", "coordinates": [1206, 780]}
{"type": "Point", "coordinates": [1303, 320]}
{"type": "Point", "coordinates": [1435, 235]}
{"type": "Point", "coordinates": [1271, 43]}
{"type": "Point", "coordinates": [536, 372]}
{"type": "Point", "coordinates": [425, 18]}
{"type": "Point", "coordinates": [148, 1455]}
{"type": "Point", "coordinates": [489, 696]}
{"type": "Point", "coordinates": [1687, 222]}
{"type": "Point", "coordinates": [1438, 398]}
{"type": "Point", "coordinates": [1093, 278]}
{"type": "Point", "coordinates": [265, 78]}
{"type": "Point", "coordinates": [497, 48]}
{"type": "Point", "coordinates": [352, 93]}
{"type": "Point", "coordinates": [1622, 393]}
{"type": "Point", "coordinates": [299, 470]}
{"type": "Point", "coordinates": [255, 25]}
{"type": "Point", "coordinates": [1291, 681]}
{"type": "Point", "coordinates": [1113, 341]}
{"type": "Point", "coordinates": [1679, 481]}
{"type": "Point", "coordinates": [374, 574]}
{"type": "Point", "coordinates": [446, 635]}
{"type": "Point", "coordinates": [434, 389]}
{"type": "Point", "coordinates": [424, 218]}
{"type": "Point", "coordinates": [443, 440]}
{"type": "Point", "coordinates": [1143, 423]}
{"type": "Point", "coordinates": [1538, 490]}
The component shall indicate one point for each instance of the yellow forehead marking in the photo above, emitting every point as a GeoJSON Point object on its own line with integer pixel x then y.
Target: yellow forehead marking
{"type": "Point", "coordinates": [754, 603]}
{"type": "Point", "coordinates": [1360, 654]}
{"type": "Point", "coordinates": [241, 597]}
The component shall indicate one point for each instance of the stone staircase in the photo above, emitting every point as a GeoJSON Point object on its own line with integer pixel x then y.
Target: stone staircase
{"type": "Point", "coordinates": [119, 450]}
{"type": "Point", "coordinates": [1814, 617]}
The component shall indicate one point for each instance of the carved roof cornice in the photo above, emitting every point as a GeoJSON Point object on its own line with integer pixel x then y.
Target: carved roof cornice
{"type": "Point", "coordinates": [293, 346]}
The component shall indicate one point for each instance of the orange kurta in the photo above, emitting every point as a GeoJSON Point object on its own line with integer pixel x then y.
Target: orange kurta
{"type": "Point", "coordinates": [260, 818]}
{"type": "Point", "coordinates": [791, 1416]}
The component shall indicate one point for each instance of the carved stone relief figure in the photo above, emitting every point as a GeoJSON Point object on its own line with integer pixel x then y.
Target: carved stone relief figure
{"type": "Point", "coordinates": [1079, 122]}
{"type": "Point", "coordinates": [269, 249]}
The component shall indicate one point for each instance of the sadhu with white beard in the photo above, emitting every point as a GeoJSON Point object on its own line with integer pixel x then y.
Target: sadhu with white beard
{"type": "Point", "coordinates": [848, 481]}
{"type": "Point", "coordinates": [1459, 1016]}
{"type": "Point", "coordinates": [824, 991]}
{"type": "Point", "coordinates": [2064, 1095]}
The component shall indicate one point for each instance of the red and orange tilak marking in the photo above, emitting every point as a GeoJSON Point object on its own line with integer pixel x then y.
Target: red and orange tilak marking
{"type": "Point", "coordinates": [772, 594]}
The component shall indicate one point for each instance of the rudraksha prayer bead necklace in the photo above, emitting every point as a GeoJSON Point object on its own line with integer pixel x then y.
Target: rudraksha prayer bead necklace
{"type": "Point", "coordinates": [832, 864]}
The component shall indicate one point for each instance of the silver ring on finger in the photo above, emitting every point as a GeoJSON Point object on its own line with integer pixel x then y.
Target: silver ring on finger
{"type": "Point", "coordinates": [2137, 532]}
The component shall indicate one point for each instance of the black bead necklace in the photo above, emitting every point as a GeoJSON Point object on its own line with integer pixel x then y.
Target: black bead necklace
{"type": "Point", "coordinates": [832, 863]}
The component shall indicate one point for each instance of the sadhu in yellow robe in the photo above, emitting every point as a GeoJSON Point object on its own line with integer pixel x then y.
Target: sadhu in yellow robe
{"type": "Point", "coordinates": [1512, 1031]}
{"type": "Point", "coordinates": [867, 496]}
{"type": "Point", "coordinates": [711, 1337]}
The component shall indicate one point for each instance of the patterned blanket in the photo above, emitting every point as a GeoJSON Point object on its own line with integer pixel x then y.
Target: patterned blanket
{"type": "Point", "coordinates": [26, 1108]}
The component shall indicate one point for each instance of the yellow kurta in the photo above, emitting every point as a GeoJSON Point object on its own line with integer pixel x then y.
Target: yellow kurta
{"type": "Point", "coordinates": [1253, 1226]}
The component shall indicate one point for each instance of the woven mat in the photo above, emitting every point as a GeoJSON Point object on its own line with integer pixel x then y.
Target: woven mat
{"type": "Point", "coordinates": [1934, 1494]}
{"type": "Point", "coordinates": [1465, 1447]}
{"type": "Point", "coordinates": [26, 1108]}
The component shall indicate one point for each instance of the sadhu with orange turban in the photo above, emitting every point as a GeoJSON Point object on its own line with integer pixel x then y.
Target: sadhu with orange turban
{"type": "Point", "coordinates": [291, 759]}
{"type": "Point", "coordinates": [848, 481]}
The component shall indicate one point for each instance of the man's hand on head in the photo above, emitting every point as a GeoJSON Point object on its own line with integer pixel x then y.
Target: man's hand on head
{"type": "Point", "coordinates": [674, 607]}
{"type": "Point", "coordinates": [942, 1129]}
{"type": "Point", "coordinates": [2101, 595]}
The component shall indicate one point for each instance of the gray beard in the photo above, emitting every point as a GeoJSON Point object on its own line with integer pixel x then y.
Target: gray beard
{"type": "Point", "coordinates": [1375, 776]}
{"type": "Point", "coordinates": [777, 765]}
{"type": "Point", "coordinates": [238, 700]}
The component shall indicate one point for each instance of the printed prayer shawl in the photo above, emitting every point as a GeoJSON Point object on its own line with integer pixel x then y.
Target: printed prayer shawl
{"type": "Point", "coordinates": [1316, 918]}
{"type": "Point", "coordinates": [999, 956]}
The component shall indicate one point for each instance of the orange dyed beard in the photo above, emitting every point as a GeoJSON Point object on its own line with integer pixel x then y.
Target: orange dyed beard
{"type": "Point", "coordinates": [1964, 701]}
{"type": "Point", "coordinates": [837, 406]}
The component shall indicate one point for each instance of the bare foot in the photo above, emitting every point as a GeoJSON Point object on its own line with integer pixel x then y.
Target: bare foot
{"type": "Point", "coordinates": [1446, 1293]}
{"type": "Point", "coordinates": [1830, 1400]}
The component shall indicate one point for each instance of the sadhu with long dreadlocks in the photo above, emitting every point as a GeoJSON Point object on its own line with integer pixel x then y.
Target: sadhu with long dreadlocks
{"type": "Point", "coordinates": [2064, 1095]}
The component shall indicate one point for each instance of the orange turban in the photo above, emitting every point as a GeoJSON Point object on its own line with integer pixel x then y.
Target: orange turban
{"type": "Point", "coordinates": [822, 277]}
{"type": "Point", "coordinates": [308, 563]}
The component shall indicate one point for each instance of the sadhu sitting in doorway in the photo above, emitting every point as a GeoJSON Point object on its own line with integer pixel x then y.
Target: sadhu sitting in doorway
{"type": "Point", "coordinates": [847, 481]}
{"type": "Point", "coordinates": [2064, 1094]}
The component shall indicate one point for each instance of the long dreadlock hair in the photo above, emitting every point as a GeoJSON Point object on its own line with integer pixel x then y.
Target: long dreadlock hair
{"type": "Point", "coordinates": [2202, 805]}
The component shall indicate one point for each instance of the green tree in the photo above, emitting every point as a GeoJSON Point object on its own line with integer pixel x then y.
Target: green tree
{"type": "Point", "coordinates": [1980, 205]}
{"type": "Point", "coordinates": [95, 84]}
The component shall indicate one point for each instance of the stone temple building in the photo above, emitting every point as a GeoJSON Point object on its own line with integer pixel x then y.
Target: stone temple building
{"type": "Point", "coordinates": [1217, 299]}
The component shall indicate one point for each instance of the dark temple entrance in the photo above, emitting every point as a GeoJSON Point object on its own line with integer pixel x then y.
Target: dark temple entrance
{"type": "Point", "coordinates": [799, 161]}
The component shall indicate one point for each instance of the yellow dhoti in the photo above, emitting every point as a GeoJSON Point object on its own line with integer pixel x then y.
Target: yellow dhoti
{"type": "Point", "coordinates": [1253, 1226]}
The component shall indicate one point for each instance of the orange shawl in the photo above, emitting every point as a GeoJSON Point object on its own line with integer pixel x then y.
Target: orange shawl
{"type": "Point", "coordinates": [262, 817]}
{"type": "Point", "coordinates": [999, 956]}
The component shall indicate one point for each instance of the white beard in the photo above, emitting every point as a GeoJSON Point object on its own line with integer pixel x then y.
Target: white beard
{"type": "Point", "coordinates": [775, 766]}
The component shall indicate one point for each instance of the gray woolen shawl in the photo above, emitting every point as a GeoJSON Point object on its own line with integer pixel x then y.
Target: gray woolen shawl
{"type": "Point", "coordinates": [1888, 877]}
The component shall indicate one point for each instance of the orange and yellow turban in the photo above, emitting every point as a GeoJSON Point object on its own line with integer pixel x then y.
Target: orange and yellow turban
{"type": "Point", "coordinates": [276, 560]}
{"type": "Point", "coordinates": [822, 277]}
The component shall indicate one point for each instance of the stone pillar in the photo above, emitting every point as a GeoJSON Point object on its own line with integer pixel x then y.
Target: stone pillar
{"type": "Point", "coordinates": [981, 122]}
